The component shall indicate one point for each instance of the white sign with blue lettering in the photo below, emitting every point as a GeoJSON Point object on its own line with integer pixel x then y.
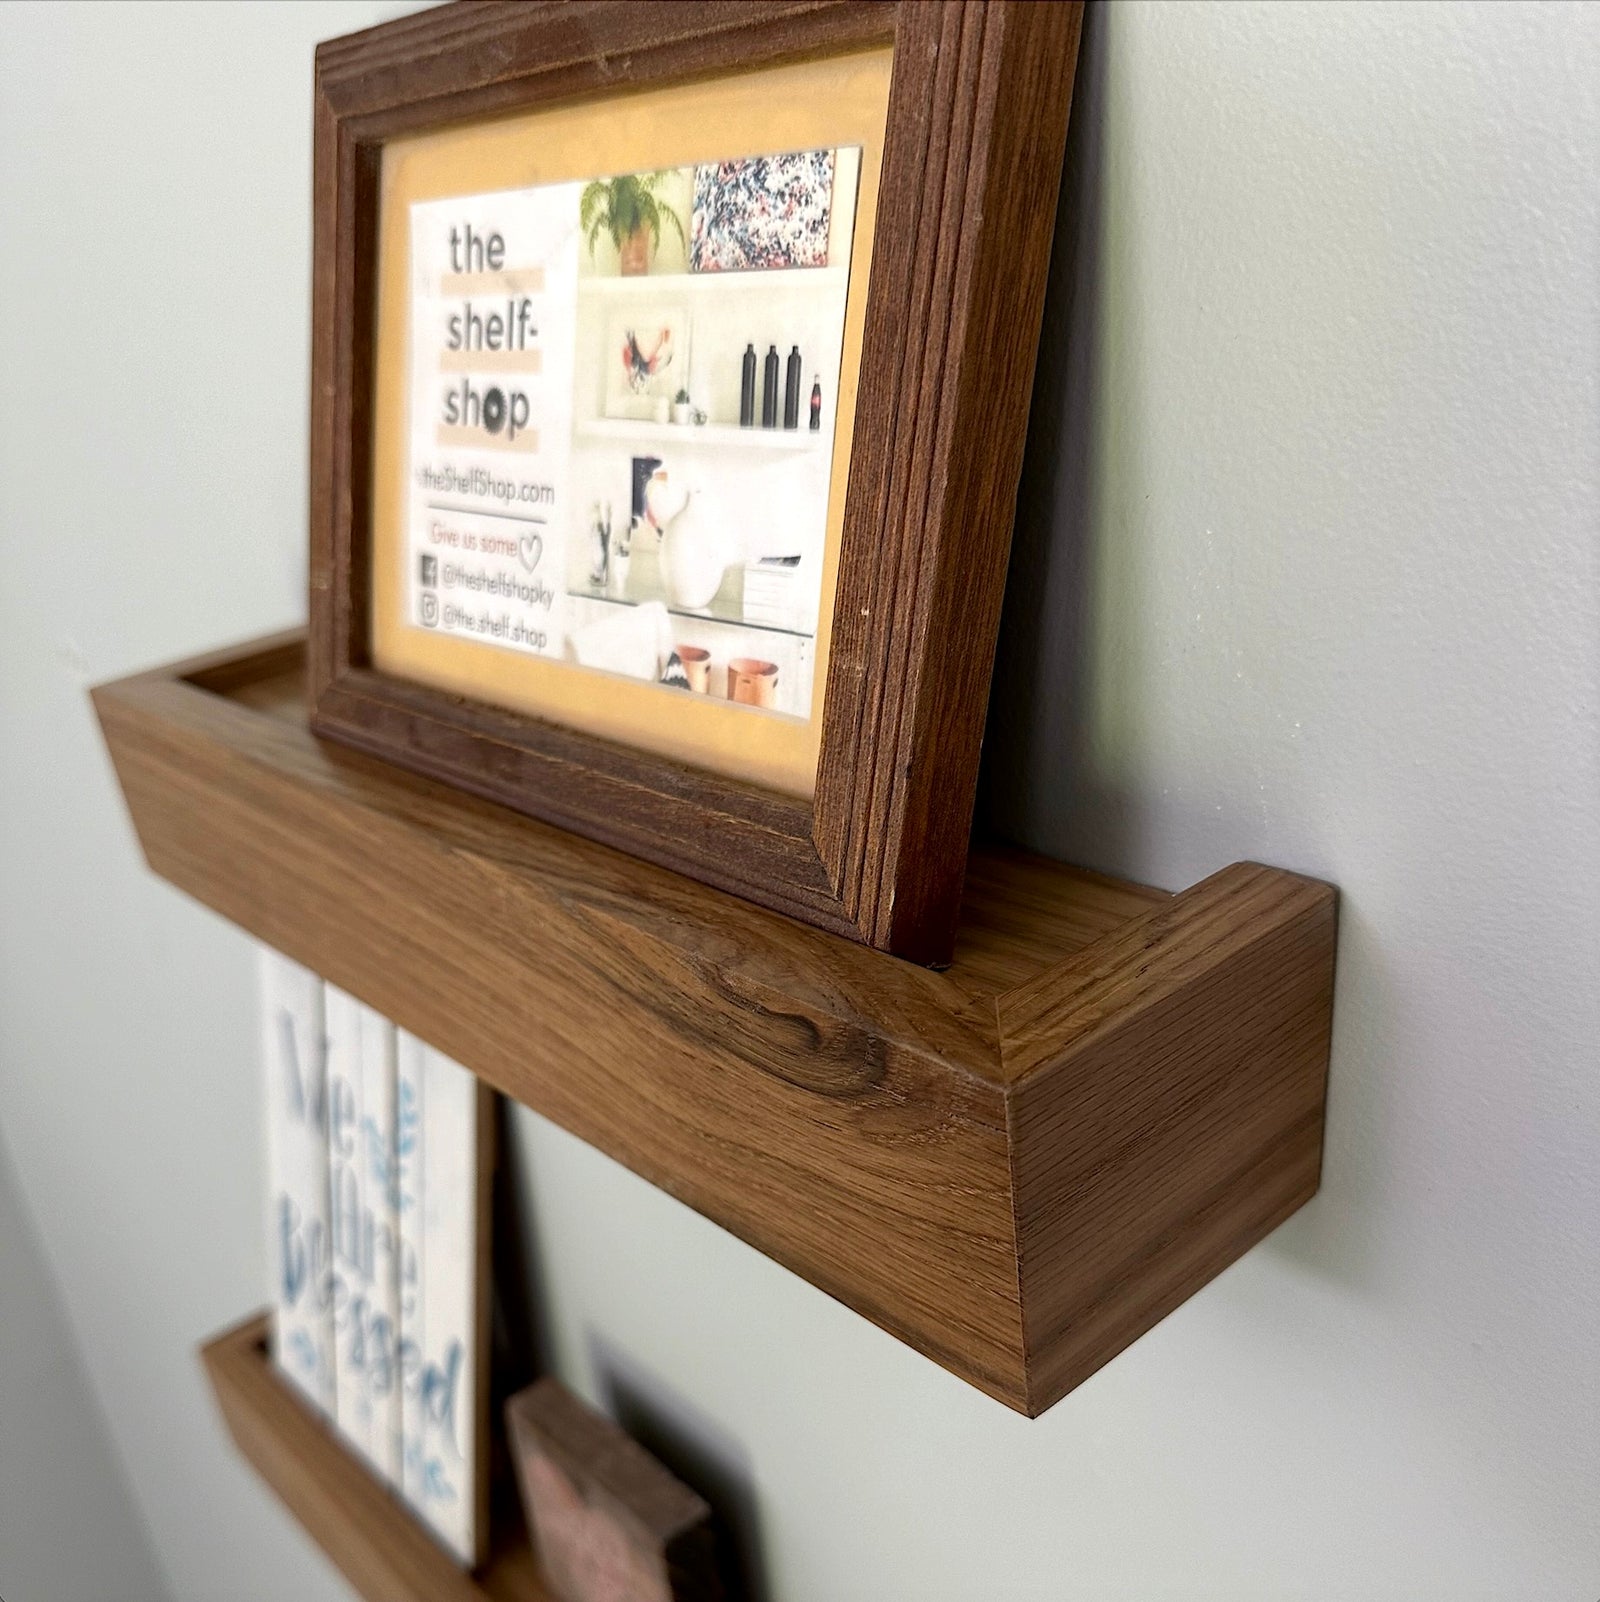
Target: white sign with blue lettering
{"type": "Point", "coordinates": [299, 1240]}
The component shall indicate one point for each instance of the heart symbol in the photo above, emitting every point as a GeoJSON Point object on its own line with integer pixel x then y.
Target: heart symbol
{"type": "Point", "coordinates": [530, 549]}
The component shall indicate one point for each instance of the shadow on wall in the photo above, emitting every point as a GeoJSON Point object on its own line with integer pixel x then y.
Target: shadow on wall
{"type": "Point", "coordinates": [1338, 1234]}
{"type": "Point", "coordinates": [697, 1451]}
{"type": "Point", "coordinates": [520, 1333]}
{"type": "Point", "coordinates": [1038, 774]}
{"type": "Point", "coordinates": [1043, 782]}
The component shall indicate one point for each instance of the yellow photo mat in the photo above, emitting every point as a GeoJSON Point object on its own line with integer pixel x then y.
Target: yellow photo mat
{"type": "Point", "coordinates": [828, 102]}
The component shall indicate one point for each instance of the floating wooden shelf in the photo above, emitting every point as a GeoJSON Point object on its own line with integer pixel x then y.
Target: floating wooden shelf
{"type": "Point", "coordinates": [367, 1531]}
{"type": "Point", "coordinates": [1017, 1165]}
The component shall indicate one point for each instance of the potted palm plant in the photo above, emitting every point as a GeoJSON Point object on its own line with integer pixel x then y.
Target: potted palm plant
{"type": "Point", "coordinates": [629, 209]}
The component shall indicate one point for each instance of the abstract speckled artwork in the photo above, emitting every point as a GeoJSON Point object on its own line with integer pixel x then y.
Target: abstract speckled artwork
{"type": "Point", "coordinates": [763, 211]}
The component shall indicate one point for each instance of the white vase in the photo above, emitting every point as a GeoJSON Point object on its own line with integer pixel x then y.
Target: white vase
{"type": "Point", "coordinates": [695, 548]}
{"type": "Point", "coordinates": [617, 582]}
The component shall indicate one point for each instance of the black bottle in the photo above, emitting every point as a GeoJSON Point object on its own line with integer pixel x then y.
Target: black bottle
{"type": "Point", "coordinates": [769, 389]}
{"type": "Point", "coordinates": [643, 471]}
{"type": "Point", "coordinates": [747, 389]}
{"type": "Point", "coordinates": [816, 403]}
{"type": "Point", "coordinates": [791, 390]}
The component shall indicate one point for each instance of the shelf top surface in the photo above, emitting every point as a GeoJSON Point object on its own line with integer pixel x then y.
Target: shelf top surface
{"type": "Point", "coordinates": [1021, 913]}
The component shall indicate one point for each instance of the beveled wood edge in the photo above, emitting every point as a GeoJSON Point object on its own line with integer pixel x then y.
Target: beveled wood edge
{"type": "Point", "coordinates": [875, 636]}
{"type": "Point", "coordinates": [1198, 930]}
{"type": "Point", "coordinates": [373, 1539]}
{"type": "Point", "coordinates": [998, 310]}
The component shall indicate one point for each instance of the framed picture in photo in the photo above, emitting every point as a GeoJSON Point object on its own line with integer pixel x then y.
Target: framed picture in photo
{"type": "Point", "coordinates": [671, 374]}
{"type": "Point", "coordinates": [646, 358]}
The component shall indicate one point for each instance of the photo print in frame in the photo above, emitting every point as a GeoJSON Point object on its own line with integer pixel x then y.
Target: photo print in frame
{"type": "Point", "coordinates": [666, 431]}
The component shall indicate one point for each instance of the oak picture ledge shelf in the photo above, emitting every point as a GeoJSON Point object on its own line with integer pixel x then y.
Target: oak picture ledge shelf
{"type": "Point", "coordinates": [1017, 1165]}
{"type": "Point", "coordinates": [366, 1531]}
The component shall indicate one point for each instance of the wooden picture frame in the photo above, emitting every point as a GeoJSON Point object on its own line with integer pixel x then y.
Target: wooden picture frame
{"type": "Point", "coordinates": [974, 135]}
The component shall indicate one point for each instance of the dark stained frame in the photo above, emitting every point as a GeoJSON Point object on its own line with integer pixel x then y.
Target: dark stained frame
{"type": "Point", "coordinates": [972, 156]}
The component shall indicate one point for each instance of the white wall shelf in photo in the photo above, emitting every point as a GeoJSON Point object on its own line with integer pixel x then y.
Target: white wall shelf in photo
{"type": "Point", "coordinates": [627, 431]}
{"type": "Point", "coordinates": [719, 611]}
{"type": "Point", "coordinates": [776, 280]}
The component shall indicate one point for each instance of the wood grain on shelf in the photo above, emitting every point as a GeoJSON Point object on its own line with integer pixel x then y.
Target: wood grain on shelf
{"type": "Point", "coordinates": [1166, 1108]}
{"type": "Point", "coordinates": [367, 1532]}
{"type": "Point", "coordinates": [1015, 1166]}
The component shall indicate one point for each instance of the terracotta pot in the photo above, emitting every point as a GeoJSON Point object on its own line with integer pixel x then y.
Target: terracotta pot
{"type": "Point", "coordinates": [752, 682]}
{"type": "Point", "coordinates": [696, 667]}
{"type": "Point", "coordinates": [635, 254]}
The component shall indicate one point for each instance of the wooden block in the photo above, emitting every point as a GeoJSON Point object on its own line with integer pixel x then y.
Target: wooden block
{"type": "Point", "coordinates": [610, 1523]}
{"type": "Point", "coordinates": [1016, 1165]}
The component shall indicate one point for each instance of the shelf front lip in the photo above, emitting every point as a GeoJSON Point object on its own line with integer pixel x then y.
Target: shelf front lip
{"type": "Point", "coordinates": [369, 1535]}
{"type": "Point", "coordinates": [881, 1130]}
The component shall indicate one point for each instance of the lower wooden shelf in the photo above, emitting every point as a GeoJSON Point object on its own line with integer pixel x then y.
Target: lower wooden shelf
{"type": "Point", "coordinates": [366, 1531]}
{"type": "Point", "coordinates": [1017, 1166]}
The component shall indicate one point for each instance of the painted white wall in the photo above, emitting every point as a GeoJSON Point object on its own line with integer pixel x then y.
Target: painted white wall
{"type": "Point", "coordinates": [58, 1474]}
{"type": "Point", "coordinates": [1307, 572]}
{"type": "Point", "coordinates": [154, 264]}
